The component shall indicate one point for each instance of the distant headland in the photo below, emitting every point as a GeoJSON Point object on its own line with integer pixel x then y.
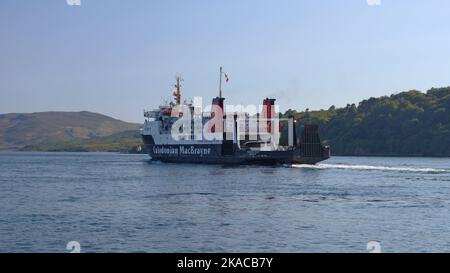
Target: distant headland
{"type": "Point", "coordinates": [67, 132]}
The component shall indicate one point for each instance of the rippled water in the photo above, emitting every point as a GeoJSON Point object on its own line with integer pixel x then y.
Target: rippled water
{"type": "Point", "coordinates": [113, 202]}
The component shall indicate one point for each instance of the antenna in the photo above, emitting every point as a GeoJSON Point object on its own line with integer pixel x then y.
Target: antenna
{"type": "Point", "coordinates": [220, 83]}
{"type": "Point", "coordinates": [177, 92]}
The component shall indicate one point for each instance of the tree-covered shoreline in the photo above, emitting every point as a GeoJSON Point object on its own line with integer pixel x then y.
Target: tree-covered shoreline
{"type": "Point", "coordinates": [405, 124]}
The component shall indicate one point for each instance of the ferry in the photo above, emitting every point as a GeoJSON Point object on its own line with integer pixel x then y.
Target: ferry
{"type": "Point", "coordinates": [234, 139]}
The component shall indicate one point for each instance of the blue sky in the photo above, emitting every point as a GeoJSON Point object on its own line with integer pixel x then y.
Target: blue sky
{"type": "Point", "coordinates": [119, 57]}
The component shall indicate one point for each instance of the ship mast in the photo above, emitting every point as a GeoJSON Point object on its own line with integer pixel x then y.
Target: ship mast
{"type": "Point", "coordinates": [177, 92]}
{"type": "Point", "coordinates": [220, 83]}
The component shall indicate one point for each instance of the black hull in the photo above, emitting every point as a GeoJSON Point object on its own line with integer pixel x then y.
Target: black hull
{"type": "Point", "coordinates": [213, 154]}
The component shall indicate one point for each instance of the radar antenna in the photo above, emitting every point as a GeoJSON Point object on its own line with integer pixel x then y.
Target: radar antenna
{"type": "Point", "coordinates": [177, 92]}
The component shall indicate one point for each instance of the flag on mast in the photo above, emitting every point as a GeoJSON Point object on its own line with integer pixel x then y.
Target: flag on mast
{"type": "Point", "coordinates": [226, 77]}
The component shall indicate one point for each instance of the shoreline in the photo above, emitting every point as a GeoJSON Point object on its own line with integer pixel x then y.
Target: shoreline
{"type": "Point", "coordinates": [118, 152]}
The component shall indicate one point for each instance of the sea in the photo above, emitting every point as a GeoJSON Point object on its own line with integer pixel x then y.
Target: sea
{"type": "Point", "coordinates": [108, 202]}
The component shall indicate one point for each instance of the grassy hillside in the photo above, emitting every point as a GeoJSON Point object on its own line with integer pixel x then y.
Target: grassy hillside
{"type": "Point", "coordinates": [20, 130]}
{"type": "Point", "coordinates": [408, 123]}
{"type": "Point", "coordinates": [125, 142]}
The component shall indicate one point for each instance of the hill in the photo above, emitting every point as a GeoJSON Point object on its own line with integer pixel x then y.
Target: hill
{"type": "Point", "coordinates": [406, 124]}
{"type": "Point", "coordinates": [20, 130]}
{"type": "Point", "coordinates": [124, 142]}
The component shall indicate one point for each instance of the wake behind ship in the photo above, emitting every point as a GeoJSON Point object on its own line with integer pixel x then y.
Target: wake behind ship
{"type": "Point", "coordinates": [235, 142]}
